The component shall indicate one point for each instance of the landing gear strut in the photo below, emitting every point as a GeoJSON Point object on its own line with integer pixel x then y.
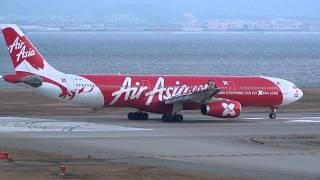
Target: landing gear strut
{"type": "Point", "coordinates": [138, 116]}
{"type": "Point", "coordinates": [172, 118]}
{"type": "Point", "coordinates": [273, 114]}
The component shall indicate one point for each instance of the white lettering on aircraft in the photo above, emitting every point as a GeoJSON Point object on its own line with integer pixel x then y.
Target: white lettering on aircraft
{"type": "Point", "coordinates": [164, 93]}
{"type": "Point", "coordinates": [19, 45]}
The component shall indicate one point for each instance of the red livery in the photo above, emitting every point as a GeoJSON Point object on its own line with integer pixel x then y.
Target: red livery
{"type": "Point", "coordinates": [217, 96]}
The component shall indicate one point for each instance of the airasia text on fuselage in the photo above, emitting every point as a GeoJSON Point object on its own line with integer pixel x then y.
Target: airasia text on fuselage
{"type": "Point", "coordinates": [160, 89]}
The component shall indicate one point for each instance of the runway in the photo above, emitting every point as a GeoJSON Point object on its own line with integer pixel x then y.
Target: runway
{"type": "Point", "coordinates": [251, 147]}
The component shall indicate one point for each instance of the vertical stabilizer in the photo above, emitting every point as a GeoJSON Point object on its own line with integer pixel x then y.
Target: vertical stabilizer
{"type": "Point", "coordinates": [25, 57]}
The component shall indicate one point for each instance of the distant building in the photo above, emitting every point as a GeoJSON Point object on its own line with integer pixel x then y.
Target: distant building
{"type": "Point", "coordinates": [286, 25]}
{"type": "Point", "coordinates": [39, 28]}
{"type": "Point", "coordinates": [226, 25]}
{"type": "Point", "coordinates": [315, 27]}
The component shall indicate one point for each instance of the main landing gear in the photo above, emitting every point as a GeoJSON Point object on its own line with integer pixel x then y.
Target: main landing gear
{"type": "Point", "coordinates": [138, 116]}
{"type": "Point", "coordinates": [273, 114]}
{"type": "Point", "coordinates": [172, 118]}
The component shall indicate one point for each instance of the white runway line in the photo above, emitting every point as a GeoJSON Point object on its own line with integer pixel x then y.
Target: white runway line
{"type": "Point", "coordinates": [252, 118]}
{"type": "Point", "coordinates": [311, 117]}
{"type": "Point", "coordinates": [305, 120]}
{"type": "Point", "coordinates": [16, 124]}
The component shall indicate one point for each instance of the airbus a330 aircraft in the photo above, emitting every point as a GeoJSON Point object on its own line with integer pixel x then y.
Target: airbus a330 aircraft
{"type": "Point", "coordinates": [217, 96]}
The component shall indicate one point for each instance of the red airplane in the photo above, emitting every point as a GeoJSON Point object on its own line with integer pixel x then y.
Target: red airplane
{"type": "Point", "coordinates": [217, 96]}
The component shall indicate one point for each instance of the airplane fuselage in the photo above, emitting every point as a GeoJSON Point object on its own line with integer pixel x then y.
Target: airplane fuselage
{"type": "Point", "coordinates": [217, 96]}
{"type": "Point", "coordinates": [147, 93]}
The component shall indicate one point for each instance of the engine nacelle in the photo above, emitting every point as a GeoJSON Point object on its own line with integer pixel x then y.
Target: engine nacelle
{"type": "Point", "coordinates": [222, 109]}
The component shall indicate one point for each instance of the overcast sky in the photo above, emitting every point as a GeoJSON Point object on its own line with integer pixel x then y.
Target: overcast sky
{"type": "Point", "coordinates": [163, 9]}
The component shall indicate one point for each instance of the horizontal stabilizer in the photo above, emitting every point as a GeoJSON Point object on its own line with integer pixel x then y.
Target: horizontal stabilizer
{"type": "Point", "coordinates": [31, 80]}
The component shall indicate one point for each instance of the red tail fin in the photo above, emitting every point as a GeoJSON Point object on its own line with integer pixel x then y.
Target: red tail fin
{"type": "Point", "coordinates": [25, 57]}
{"type": "Point", "coordinates": [20, 48]}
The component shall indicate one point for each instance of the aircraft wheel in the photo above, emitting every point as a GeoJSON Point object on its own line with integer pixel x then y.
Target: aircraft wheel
{"type": "Point", "coordinates": [172, 118]}
{"type": "Point", "coordinates": [272, 115]}
{"type": "Point", "coordinates": [178, 118]}
{"type": "Point", "coordinates": [130, 116]}
{"type": "Point", "coordinates": [145, 116]}
{"type": "Point", "coordinates": [138, 116]}
{"type": "Point", "coordinates": [165, 118]}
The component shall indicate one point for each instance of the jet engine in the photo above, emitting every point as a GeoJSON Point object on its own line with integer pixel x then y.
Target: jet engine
{"type": "Point", "coordinates": [222, 109]}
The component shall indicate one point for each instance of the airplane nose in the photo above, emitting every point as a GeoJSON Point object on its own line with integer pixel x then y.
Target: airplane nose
{"type": "Point", "coordinates": [298, 94]}
{"type": "Point", "coordinates": [292, 96]}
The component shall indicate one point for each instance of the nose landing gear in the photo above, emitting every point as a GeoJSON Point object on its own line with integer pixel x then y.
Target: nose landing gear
{"type": "Point", "coordinates": [273, 114]}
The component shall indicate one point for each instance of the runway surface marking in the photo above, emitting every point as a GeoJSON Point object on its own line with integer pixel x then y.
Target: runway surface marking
{"type": "Point", "coordinates": [303, 121]}
{"type": "Point", "coordinates": [252, 118]}
{"type": "Point", "coordinates": [313, 119]}
{"type": "Point", "coordinates": [17, 124]}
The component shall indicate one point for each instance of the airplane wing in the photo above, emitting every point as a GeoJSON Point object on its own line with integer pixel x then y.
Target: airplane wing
{"type": "Point", "coordinates": [204, 96]}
